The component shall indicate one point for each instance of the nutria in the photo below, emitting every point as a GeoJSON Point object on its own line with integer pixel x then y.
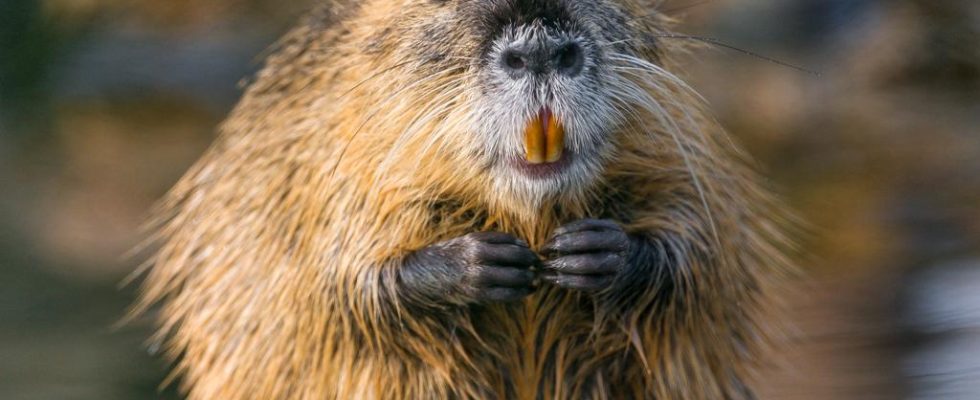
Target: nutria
{"type": "Point", "coordinates": [473, 199]}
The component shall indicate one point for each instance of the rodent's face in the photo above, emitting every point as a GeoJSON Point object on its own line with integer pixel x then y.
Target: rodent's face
{"type": "Point", "coordinates": [538, 81]}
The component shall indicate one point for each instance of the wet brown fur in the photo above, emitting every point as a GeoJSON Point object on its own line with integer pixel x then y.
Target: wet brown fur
{"type": "Point", "coordinates": [278, 249]}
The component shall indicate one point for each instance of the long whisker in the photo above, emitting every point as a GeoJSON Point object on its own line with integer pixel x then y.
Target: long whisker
{"type": "Point", "coordinates": [717, 43]}
{"type": "Point", "coordinates": [430, 111]}
{"type": "Point", "coordinates": [647, 66]}
{"type": "Point", "coordinates": [373, 77]}
{"type": "Point", "coordinates": [378, 109]}
{"type": "Point", "coordinates": [652, 105]}
{"type": "Point", "coordinates": [432, 139]}
{"type": "Point", "coordinates": [629, 94]}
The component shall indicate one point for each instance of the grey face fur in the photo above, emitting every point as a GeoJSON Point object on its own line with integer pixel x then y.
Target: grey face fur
{"type": "Point", "coordinates": [504, 103]}
{"type": "Point", "coordinates": [509, 102]}
{"type": "Point", "coordinates": [582, 101]}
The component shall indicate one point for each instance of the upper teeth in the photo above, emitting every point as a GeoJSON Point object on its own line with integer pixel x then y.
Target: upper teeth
{"type": "Point", "coordinates": [544, 138]}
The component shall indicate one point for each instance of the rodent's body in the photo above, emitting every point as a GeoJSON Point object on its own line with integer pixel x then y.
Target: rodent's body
{"type": "Point", "coordinates": [278, 271]}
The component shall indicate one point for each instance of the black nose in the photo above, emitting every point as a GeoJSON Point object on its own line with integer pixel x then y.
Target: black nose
{"type": "Point", "coordinates": [567, 58]}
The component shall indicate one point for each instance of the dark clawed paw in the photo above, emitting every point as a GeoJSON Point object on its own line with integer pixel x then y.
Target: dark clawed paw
{"type": "Point", "coordinates": [586, 255]}
{"type": "Point", "coordinates": [498, 267]}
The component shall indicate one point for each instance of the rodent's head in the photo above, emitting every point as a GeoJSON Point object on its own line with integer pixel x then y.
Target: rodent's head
{"type": "Point", "coordinates": [538, 88]}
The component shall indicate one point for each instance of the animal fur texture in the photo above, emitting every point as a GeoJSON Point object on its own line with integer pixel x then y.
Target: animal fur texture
{"type": "Point", "coordinates": [377, 128]}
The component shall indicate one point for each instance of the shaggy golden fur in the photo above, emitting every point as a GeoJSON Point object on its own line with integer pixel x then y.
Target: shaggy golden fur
{"type": "Point", "coordinates": [274, 276]}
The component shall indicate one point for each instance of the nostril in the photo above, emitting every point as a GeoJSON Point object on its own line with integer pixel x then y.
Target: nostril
{"type": "Point", "coordinates": [514, 60]}
{"type": "Point", "coordinates": [570, 59]}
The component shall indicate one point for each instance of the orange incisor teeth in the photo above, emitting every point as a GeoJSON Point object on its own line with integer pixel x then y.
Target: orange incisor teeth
{"type": "Point", "coordinates": [544, 139]}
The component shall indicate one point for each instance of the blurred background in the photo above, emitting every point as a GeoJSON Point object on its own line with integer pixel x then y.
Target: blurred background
{"type": "Point", "coordinates": [104, 103]}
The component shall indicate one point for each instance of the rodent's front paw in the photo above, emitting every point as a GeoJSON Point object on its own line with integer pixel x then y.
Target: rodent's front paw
{"type": "Point", "coordinates": [586, 255]}
{"type": "Point", "coordinates": [496, 266]}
